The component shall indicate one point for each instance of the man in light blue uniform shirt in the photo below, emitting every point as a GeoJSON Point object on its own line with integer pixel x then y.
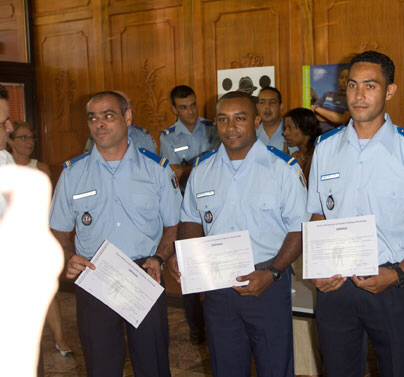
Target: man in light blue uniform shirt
{"type": "Point", "coordinates": [359, 170]}
{"type": "Point", "coordinates": [140, 137]}
{"type": "Point", "coordinates": [246, 185]}
{"type": "Point", "coordinates": [129, 197]}
{"type": "Point", "coordinates": [187, 139]}
{"type": "Point", "coordinates": [270, 129]}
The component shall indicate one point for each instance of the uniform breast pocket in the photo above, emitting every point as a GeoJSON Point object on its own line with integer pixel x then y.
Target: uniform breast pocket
{"type": "Point", "coordinates": [390, 204]}
{"type": "Point", "coordinates": [262, 207]}
{"type": "Point", "coordinates": [209, 210]}
{"type": "Point", "coordinates": [145, 208]}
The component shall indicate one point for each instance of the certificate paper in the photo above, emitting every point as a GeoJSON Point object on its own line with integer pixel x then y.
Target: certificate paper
{"type": "Point", "coordinates": [340, 246]}
{"type": "Point", "coordinates": [120, 284]}
{"type": "Point", "coordinates": [214, 262]}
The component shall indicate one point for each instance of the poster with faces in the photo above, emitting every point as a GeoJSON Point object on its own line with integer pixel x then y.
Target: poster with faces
{"type": "Point", "coordinates": [250, 80]}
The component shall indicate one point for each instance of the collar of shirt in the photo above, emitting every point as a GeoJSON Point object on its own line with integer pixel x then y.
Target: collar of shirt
{"type": "Point", "coordinates": [277, 134]}
{"type": "Point", "coordinates": [258, 153]}
{"type": "Point", "coordinates": [95, 156]}
{"type": "Point", "coordinates": [181, 128]}
{"type": "Point", "coordinates": [385, 135]}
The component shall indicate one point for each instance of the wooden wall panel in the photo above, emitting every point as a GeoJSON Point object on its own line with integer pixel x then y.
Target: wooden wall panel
{"type": "Point", "coordinates": [46, 6]}
{"type": "Point", "coordinates": [148, 61]}
{"type": "Point", "coordinates": [65, 59]}
{"type": "Point", "coordinates": [346, 27]}
{"type": "Point", "coordinates": [245, 34]}
{"type": "Point", "coordinates": [13, 40]}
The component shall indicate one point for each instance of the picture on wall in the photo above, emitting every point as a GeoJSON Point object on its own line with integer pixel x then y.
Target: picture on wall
{"type": "Point", "coordinates": [324, 92]}
{"type": "Point", "coordinates": [250, 80]}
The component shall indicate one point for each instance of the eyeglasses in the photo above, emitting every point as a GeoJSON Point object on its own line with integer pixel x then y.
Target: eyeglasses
{"type": "Point", "coordinates": [25, 138]}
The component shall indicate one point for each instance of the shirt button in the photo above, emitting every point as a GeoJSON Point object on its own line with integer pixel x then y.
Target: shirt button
{"type": "Point", "coordinates": [118, 224]}
{"type": "Point", "coordinates": [360, 162]}
{"type": "Point", "coordinates": [232, 227]}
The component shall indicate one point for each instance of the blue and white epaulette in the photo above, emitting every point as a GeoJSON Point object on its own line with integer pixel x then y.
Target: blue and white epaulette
{"type": "Point", "coordinates": [328, 134]}
{"type": "Point", "coordinates": [203, 157]}
{"type": "Point", "coordinates": [206, 122]}
{"type": "Point", "coordinates": [142, 129]}
{"type": "Point", "coordinates": [400, 130]}
{"type": "Point", "coordinates": [162, 161]}
{"type": "Point", "coordinates": [68, 163]}
{"type": "Point", "coordinates": [168, 131]}
{"type": "Point", "coordinates": [284, 156]}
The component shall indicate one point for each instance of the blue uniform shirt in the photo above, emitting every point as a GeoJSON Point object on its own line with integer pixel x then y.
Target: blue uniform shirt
{"type": "Point", "coordinates": [263, 195]}
{"type": "Point", "coordinates": [362, 181]}
{"type": "Point", "coordinates": [140, 137]}
{"type": "Point", "coordinates": [277, 140]}
{"type": "Point", "coordinates": [178, 144]}
{"type": "Point", "coordinates": [128, 201]}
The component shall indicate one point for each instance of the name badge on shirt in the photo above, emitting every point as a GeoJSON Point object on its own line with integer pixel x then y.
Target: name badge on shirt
{"type": "Point", "coordinates": [206, 193]}
{"type": "Point", "coordinates": [179, 149]}
{"type": "Point", "coordinates": [84, 194]}
{"type": "Point", "coordinates": [327, 177]}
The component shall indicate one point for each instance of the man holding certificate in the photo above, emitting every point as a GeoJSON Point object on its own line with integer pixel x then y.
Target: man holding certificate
{"type": "Point", "coordinates": [245, 185]}
{"type": "Point", "coordinates": [129, 197]}
{"type": "Point", "coordinates": [356, 171]}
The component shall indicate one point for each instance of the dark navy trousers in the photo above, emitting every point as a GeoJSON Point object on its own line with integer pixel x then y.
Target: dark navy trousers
{"type": "Point", "coordinates": [238, 327]}
{"type": "Point", "coordinates": [345, 316]}
{"type": "Point", "coordinates": [102, 336]}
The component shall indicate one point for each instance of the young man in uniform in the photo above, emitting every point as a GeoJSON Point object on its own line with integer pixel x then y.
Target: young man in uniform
{"type": "Point", "coordinates": [359, 170]}
{"type": "Point", "coordinates": [247, 185]}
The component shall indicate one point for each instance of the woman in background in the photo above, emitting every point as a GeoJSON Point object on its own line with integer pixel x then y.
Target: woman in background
{"type": "Point", "coordinates": [22, 143]}
{"type": "Point", "coordinates": [300, 129]}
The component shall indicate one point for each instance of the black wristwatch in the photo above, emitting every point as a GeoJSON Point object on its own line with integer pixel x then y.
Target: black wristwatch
{"type": "Point", "coordinates": [160, 259]}
{"type": "Point", "coordinates": [400, 273]}
{"type": "Point", "coordinates": [275, 272]}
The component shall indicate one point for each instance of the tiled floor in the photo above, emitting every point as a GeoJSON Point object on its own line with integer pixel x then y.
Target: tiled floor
{"type": "Point", "coordinates": [186, 360]}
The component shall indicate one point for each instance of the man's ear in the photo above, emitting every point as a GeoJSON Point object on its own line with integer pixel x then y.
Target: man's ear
{"type": "Point", "coordinates": [257, 121]}
{"type": "Point", "coordinates": [174, 110]}
{"type": "Point", "coordinates": [391, 89]}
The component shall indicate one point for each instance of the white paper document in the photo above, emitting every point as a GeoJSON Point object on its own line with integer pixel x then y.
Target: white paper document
{"type": "Point", "coordinates": [214, 262]}
{"type": "Point", "coordinates": [121, 284]}
{"type": "Point", "coordinates": [345, 246]}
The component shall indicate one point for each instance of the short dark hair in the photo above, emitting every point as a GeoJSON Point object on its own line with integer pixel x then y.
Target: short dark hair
{"type": "Point", "coordinates": [181, 91]}
{"type": "Point", "coordinates": [375, 57]}
{"type": "Point", "coordinates": [239, 94]}
{"type": "Point", "coordinates": [3, 92]}
{"type": "Point", "coordinates": [306, 121]}
{"type": "Point", "coordinates": [122, 103]}
{"type": "Point", "coordinates": [273, 89]}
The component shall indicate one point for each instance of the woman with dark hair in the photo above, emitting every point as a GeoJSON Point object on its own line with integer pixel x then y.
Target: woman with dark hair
{"type": "Point", "coordinates": [300, 129]}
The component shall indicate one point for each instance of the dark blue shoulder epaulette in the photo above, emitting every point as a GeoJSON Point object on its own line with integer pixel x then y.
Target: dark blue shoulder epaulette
{"type": "Point", "coordinates": [400, 130]}
{"type": "Point", "coordinates": [68, 163]}
{"type": "Point", "coordinates": [328, 134]}
{"type": "Point", "coordinates": [168, 130]}
{"type": "Point", "coordinates": [206, 122]}
{"type": "Point", "coordinates": [162, 161]}
{"type": "Point", "coordinates": [203, 157]}
{"type": "Point", "coordinates": [284, 156]}
{"type": "Point", "coordinates": [142, 129]}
